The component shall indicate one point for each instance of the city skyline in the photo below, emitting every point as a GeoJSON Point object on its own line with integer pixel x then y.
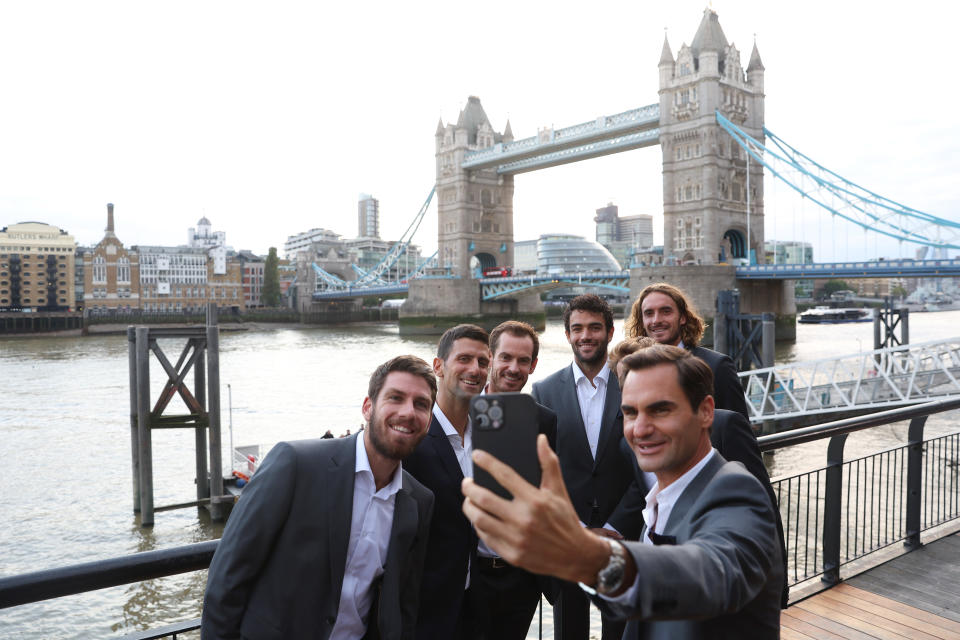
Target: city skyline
{"type": "Point", "coordinates": [272, 123]}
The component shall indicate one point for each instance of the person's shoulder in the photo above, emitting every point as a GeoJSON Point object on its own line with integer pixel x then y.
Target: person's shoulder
{"type": "Point", "coordinates": [416, 488]}
{"type": "Point", "coordinates": [554, 379]}
{"type": "Point", "coordinates": [707, 355]}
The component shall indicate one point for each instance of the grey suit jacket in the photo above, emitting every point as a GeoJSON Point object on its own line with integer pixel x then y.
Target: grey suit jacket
{"type": "Point", "coordinates": [602, 489]}
{"type": "Point", "coordinates": [278, 569]}
{"type": "Point", "coordinates": [723, 576]}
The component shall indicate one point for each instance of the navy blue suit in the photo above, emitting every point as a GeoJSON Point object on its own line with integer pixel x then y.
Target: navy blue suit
{"type": "Point", "coordinates": [452, 541]}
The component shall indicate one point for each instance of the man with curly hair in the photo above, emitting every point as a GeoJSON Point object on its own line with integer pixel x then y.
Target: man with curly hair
{"type": "Point", "coordinates": [665, 313]}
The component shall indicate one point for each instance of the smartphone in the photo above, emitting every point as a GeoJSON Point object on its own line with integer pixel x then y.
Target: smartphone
{"type": "Point", "coordinates": [505, 425]}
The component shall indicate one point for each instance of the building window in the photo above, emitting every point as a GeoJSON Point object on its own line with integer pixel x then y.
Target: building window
{"type": "Point", "coordinates": [99, 269]}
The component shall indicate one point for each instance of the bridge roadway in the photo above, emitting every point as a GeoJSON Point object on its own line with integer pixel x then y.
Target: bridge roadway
{"type": "Point", "coordinates": [493, 288]}
{"type": "Point", "coordinates": [872, 380]}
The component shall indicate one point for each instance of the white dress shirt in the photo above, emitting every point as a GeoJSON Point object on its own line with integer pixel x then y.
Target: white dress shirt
{"type": "Point", "coordinates": [657, 513]}
{"type": "Point", "coordinates": [463, 449]}
{"type": "Point", "coordinates": [592, 396]}
{"type": "Point", "coordinates": [370, 526]}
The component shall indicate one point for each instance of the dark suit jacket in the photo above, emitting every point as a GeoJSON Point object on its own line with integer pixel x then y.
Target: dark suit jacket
{"type": "Point", "coordinates": [278, 569]}
{"type": "Point", "coordinates": [727, 390]}
{"type": "Point", "coordinates": [732, 436]}
{"type": "Point", "coordinates": [722, 577]}
{"type": "Point", "coordinates": [453, 541]}
{"type": "Point", "coordinates": [602, 489]}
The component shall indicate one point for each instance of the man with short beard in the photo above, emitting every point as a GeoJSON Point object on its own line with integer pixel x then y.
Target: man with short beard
{"type": "Point", "coordinates": [505, 597]}
{"type": "Point", "coordinates": [329, 537]}
{"type": "Point", "coordinates": [586, 399]}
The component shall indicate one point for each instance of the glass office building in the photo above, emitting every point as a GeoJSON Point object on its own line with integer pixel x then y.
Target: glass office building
{"type": "Point", "coordinates": [563, 253]}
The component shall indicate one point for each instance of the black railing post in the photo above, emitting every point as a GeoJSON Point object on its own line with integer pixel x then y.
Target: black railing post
{"type": "Point", "coordinates": [914, 481]}
{"type": "Point", "coordinates": [833, 510]}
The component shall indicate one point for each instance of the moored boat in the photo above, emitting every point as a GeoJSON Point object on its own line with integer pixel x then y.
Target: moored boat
{"type": "Point", "coordinates": [828, 315]}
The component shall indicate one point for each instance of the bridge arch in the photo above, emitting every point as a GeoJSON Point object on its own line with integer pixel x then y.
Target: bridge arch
{"type": "Point", "coordinates": [480, 261]}
{"type": "Point", "coordinates": [734, 245]}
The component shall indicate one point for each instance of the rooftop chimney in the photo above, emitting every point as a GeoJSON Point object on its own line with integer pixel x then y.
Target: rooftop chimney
{"type": "Point", "coordinates": [109, 228]}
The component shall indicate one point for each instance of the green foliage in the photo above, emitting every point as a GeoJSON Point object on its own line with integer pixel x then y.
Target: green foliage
{"type": "Point", "coordinates": [270, 294]}
{"type": "Point", "coordinates": [832, 286]}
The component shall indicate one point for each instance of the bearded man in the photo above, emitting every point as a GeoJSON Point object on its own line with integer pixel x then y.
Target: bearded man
{"type": "Point", "coordinates": [328, 540]}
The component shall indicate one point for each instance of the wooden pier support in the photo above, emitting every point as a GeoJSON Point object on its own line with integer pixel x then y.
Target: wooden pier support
{"type": "Point", "coordinates": [201, 353]}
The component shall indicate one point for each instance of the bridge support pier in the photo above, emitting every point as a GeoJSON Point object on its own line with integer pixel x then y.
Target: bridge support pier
{"type": "Point", "coordinates": [435, 304]}
{"type": "Point", "coordinates": [702, 282]}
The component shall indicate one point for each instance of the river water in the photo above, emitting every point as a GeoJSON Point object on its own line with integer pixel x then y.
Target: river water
{"type": "Point", "coordinates": [65, 479]}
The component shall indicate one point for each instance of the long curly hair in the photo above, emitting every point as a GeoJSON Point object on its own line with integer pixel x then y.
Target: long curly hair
{"type": "Point", "coordinates": [691, 332]}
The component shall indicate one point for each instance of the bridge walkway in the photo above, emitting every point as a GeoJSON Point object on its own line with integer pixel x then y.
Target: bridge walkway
{"type": "Point", "coordinates": [915, 596]}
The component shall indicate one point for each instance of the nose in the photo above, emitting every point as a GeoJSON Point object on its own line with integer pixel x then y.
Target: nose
{"type": "Point", "coordinates": [639, 427]}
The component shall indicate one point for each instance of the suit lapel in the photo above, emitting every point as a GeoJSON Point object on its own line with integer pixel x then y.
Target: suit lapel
{"type": "Point", "coordinates": [609, 424]}
{"type": "Point", "coordinates": [340, 471]}
{"type": "Point", "coordinates": [444, 450]}
{"type": "Point", "coordinates": [570, 406]}
{"type": "Point", "coordinates": [685, 502]}
{"type": "Point", "coordinates": [402, 533]}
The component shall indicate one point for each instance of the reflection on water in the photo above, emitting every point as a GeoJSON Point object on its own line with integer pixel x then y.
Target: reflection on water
{"type": "Point", "coordinates": [65, 485]}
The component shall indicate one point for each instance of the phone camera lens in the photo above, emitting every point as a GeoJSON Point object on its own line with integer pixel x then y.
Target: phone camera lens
{"type": "Point", "coordinates": [496, 413]}
{"type": "Point", "coordinates": [481, 405]}
{"type": "Point", "coordinates": [483, 422]}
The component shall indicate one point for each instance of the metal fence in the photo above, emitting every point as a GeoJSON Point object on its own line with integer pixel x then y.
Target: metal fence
{"type": "Point", "coordinates": [832, 516]}
{"type": "Point", "coordinates": [842, 512]}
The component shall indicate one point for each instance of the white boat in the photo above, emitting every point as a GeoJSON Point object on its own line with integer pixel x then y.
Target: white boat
{"type": "Point", "coordinates": [829, 315]}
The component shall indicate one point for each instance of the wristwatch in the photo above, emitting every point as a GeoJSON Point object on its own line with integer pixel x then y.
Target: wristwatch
{"type": "Point", "coordinates": [610, 578]}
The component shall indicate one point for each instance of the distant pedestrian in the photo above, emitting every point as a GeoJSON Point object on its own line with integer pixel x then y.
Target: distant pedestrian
{"type": "Point", "coordinates": [328, 434]}
{"type": "Point", "coordinates": [346, 435]}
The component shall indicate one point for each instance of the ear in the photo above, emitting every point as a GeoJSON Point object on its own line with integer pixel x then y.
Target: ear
{"type": "Point", "coordinates": [683, 319]}
{"type": "Point", "coordinates": [367, 409]}
{"type": "Point", "coordinates": [705, 412]}
{"type": "Point", "coordinates": [533, 365]}
{"type": "Point", "coordinates": [438, 367]}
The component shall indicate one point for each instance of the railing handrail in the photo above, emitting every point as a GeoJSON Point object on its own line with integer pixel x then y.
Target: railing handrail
{"type": "Point", "coordinates": [849, 425]}
{"type": "Point", "coordinates": [100, 574]}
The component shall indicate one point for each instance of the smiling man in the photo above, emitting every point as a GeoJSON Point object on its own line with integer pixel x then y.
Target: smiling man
{"type": "Point", "coordinates": [441, 462]}
{"type": "Point", "coordinates": [586, 398]}
{"type": "Point", "coordinates": [708, 564]}
{"type": "Point", "coordinates": [328, 539]}
{"type": "Point", "coordinates": [505, 597]}
{"type": "Point", "coordinates": [665, 313]}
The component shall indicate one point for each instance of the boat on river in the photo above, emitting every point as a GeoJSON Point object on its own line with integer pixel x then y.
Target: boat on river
{"type": "Point", "coordinates": [828, 315]}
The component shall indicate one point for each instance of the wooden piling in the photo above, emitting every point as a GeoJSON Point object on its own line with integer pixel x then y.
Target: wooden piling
{"type": "Point", "coordinates": [143, 426]}
{"type": "Point", "coordinates": [134, 436]}
{"type": "Point", "coordinates": [213, 379]}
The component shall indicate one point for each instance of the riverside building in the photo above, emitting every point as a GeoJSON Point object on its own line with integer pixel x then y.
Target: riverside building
{"type": "Point", "coordinates": [36, 268]}
{"type": "Point", "coordinates": [110, 274]}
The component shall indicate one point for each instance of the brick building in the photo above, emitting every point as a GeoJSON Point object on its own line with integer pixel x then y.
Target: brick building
{"type": "Point", "coordinates": [111, 274]}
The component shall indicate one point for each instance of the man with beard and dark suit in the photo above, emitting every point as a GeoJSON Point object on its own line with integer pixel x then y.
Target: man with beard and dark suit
{"type": "Point", "coordinates": [707, 565]}
{"type": "Point", "coordinates": [505, 596]}
{"type": "Point", "coordinates": [664, 313]}
{"type": "Point", "coordinates": [441, 462]}
{"type": "Point", "coordinates": [586, 398]}
{"type": "Point", "coordinates": [328, 539]}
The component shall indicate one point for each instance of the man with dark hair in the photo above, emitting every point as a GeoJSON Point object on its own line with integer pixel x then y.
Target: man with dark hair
{"type": "Point", "coordinates": [586, 399]}
{"type": "Point", "coordinates": [328, 540]}
{"type": "Point", "coordinates": [441, 462]}
{"type": "Point", "coordinates": [505, 597]}
{"type": "Point", "coordinates": [665, 313]}
{"type": "Point", "coordinates": [707, 565]}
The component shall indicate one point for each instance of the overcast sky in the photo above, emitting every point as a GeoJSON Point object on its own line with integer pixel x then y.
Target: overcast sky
{"type": "Point", "coordinates": [271, 118]}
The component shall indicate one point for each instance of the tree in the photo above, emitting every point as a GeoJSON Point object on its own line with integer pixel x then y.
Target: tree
{"type": "Point", "coordinates": [832, 286]}
{"type": "Point", "coordinates": [270, 294]}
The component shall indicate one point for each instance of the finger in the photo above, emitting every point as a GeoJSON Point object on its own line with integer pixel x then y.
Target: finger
{"type": "Point", "coordinates": [484, 500]}
{"type": "Point", "coordinates": [486, 526]}
{"type": "Point", "coordinates": [502, 473]}
{"type": "Point", "coordinates": [551, 476]}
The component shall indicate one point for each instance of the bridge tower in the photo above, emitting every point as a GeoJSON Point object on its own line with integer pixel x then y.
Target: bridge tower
{"type": "Point", "coordinates": [704, 170]}
{"type": "Point", "coordinates": [475, 207]}
{"type": "Point", "coordinates": [475, 220]}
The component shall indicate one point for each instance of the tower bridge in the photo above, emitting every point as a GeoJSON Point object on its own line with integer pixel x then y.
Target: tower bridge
{"type": "Point", "coordinates": [716, 150]}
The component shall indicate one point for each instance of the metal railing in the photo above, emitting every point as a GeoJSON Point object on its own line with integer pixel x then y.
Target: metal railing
{"type": "Point", "coordinates": [832, 516]}
{"type": "Point", "coordinates": [849, 509]}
